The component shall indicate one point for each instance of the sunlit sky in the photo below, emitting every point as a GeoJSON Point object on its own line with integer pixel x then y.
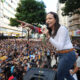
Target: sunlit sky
{"type": "Point", "coordinates": [51, 5]}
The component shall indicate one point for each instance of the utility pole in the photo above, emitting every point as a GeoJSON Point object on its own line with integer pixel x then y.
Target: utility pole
{"type": "Point", "coordinates": [28, 34]}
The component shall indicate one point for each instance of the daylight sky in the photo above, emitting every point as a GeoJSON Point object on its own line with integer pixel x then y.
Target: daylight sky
{"type": "Point", "coordinates": [51, 5]}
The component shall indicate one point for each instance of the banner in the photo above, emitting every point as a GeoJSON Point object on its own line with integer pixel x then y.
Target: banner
{"type": "Point", "coordinates": [75, 33]}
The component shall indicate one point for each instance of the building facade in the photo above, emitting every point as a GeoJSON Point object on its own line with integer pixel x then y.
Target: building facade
{"type": "Point", "coordinates": [7, 10]}
{"type": "Point", "coordinates": [72, 22]}
{"type": "Point", "coordinates": [74, 25]}
{"type": "Point", "coordinates": [62, 19]}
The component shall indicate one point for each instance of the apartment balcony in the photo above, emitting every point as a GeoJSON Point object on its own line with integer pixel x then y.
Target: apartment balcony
{"type": "Point", "coordinates": [75, 22]}
{"type": "Point", "coordinates": [74, 17]}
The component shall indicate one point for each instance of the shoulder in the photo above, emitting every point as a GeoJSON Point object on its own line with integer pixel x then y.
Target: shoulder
{"type": "Point", "coordinates": [63, 28]}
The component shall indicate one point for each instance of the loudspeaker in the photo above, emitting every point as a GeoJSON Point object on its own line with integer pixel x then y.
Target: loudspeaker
{"type": "Point", "coordinates": [40, 74]}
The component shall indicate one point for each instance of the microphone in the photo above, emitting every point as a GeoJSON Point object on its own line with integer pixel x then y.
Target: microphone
{"type": "Point", "coordinates": [43, 35]}
{"type": "Point", "coordinates": [46, 26]}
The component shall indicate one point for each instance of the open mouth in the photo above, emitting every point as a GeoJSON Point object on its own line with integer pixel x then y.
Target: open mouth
{"type": "Point", "coordinates": [49, 24]}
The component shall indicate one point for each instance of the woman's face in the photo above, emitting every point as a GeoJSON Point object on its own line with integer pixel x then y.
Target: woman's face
{"type": "Point", "coordinates": [50, 20]}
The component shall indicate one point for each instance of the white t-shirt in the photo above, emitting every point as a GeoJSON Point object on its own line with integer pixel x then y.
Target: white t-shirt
{"type": "Point", "coordinates": [62, 40]}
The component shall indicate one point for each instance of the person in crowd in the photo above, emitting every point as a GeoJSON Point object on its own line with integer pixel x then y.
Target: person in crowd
{"type": "Point", "coordinates": [75, 68]}
{"type": "Point", "coordinates": [17, 67]}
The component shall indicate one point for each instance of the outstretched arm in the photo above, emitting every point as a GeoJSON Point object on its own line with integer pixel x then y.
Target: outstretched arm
{"type": "Point", "coordinates": [24, 24]}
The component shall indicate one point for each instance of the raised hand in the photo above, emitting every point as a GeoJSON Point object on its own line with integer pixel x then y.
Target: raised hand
{"type": "Point", "coordinates": [46, 32]}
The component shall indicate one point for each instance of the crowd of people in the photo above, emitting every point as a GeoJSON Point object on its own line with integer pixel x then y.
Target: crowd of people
{"type": "Point", "coordinates": [17, 56]}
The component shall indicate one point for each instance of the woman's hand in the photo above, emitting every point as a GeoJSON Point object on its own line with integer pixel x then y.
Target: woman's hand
{"type": "Point", "coordinates": [46, 32]}
{"type": "Point", "coordinates": [71, 72]}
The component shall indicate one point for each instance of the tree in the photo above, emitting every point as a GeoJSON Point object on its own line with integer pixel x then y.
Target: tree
{"type": "Point", "coordinates": [30, 11]}
{"type": "Point", "coordinates": [71, 7]}
{"type": "Point", "coordinates": [62, 1]}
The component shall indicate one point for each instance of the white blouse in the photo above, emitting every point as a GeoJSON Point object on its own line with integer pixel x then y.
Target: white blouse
{"type": "Point", "coordinates": [62, 40]}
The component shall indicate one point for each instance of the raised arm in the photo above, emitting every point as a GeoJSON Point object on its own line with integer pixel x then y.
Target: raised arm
{"type": "Point", "coordinates": [24, 24]}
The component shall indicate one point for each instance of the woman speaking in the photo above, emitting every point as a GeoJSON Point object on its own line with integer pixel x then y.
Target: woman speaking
{"type": "Point", "coordinates": [58, 36]}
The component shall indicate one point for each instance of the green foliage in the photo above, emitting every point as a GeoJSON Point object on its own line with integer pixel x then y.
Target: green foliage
{"type": "Point", "coordinates": [31, 11]}
{"type": "Point", "coordinates": [71, 7]}
{"type": "Point", "coordinates": [62, 1]}
{"type": "Point", "coordinates": [13, 22]}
